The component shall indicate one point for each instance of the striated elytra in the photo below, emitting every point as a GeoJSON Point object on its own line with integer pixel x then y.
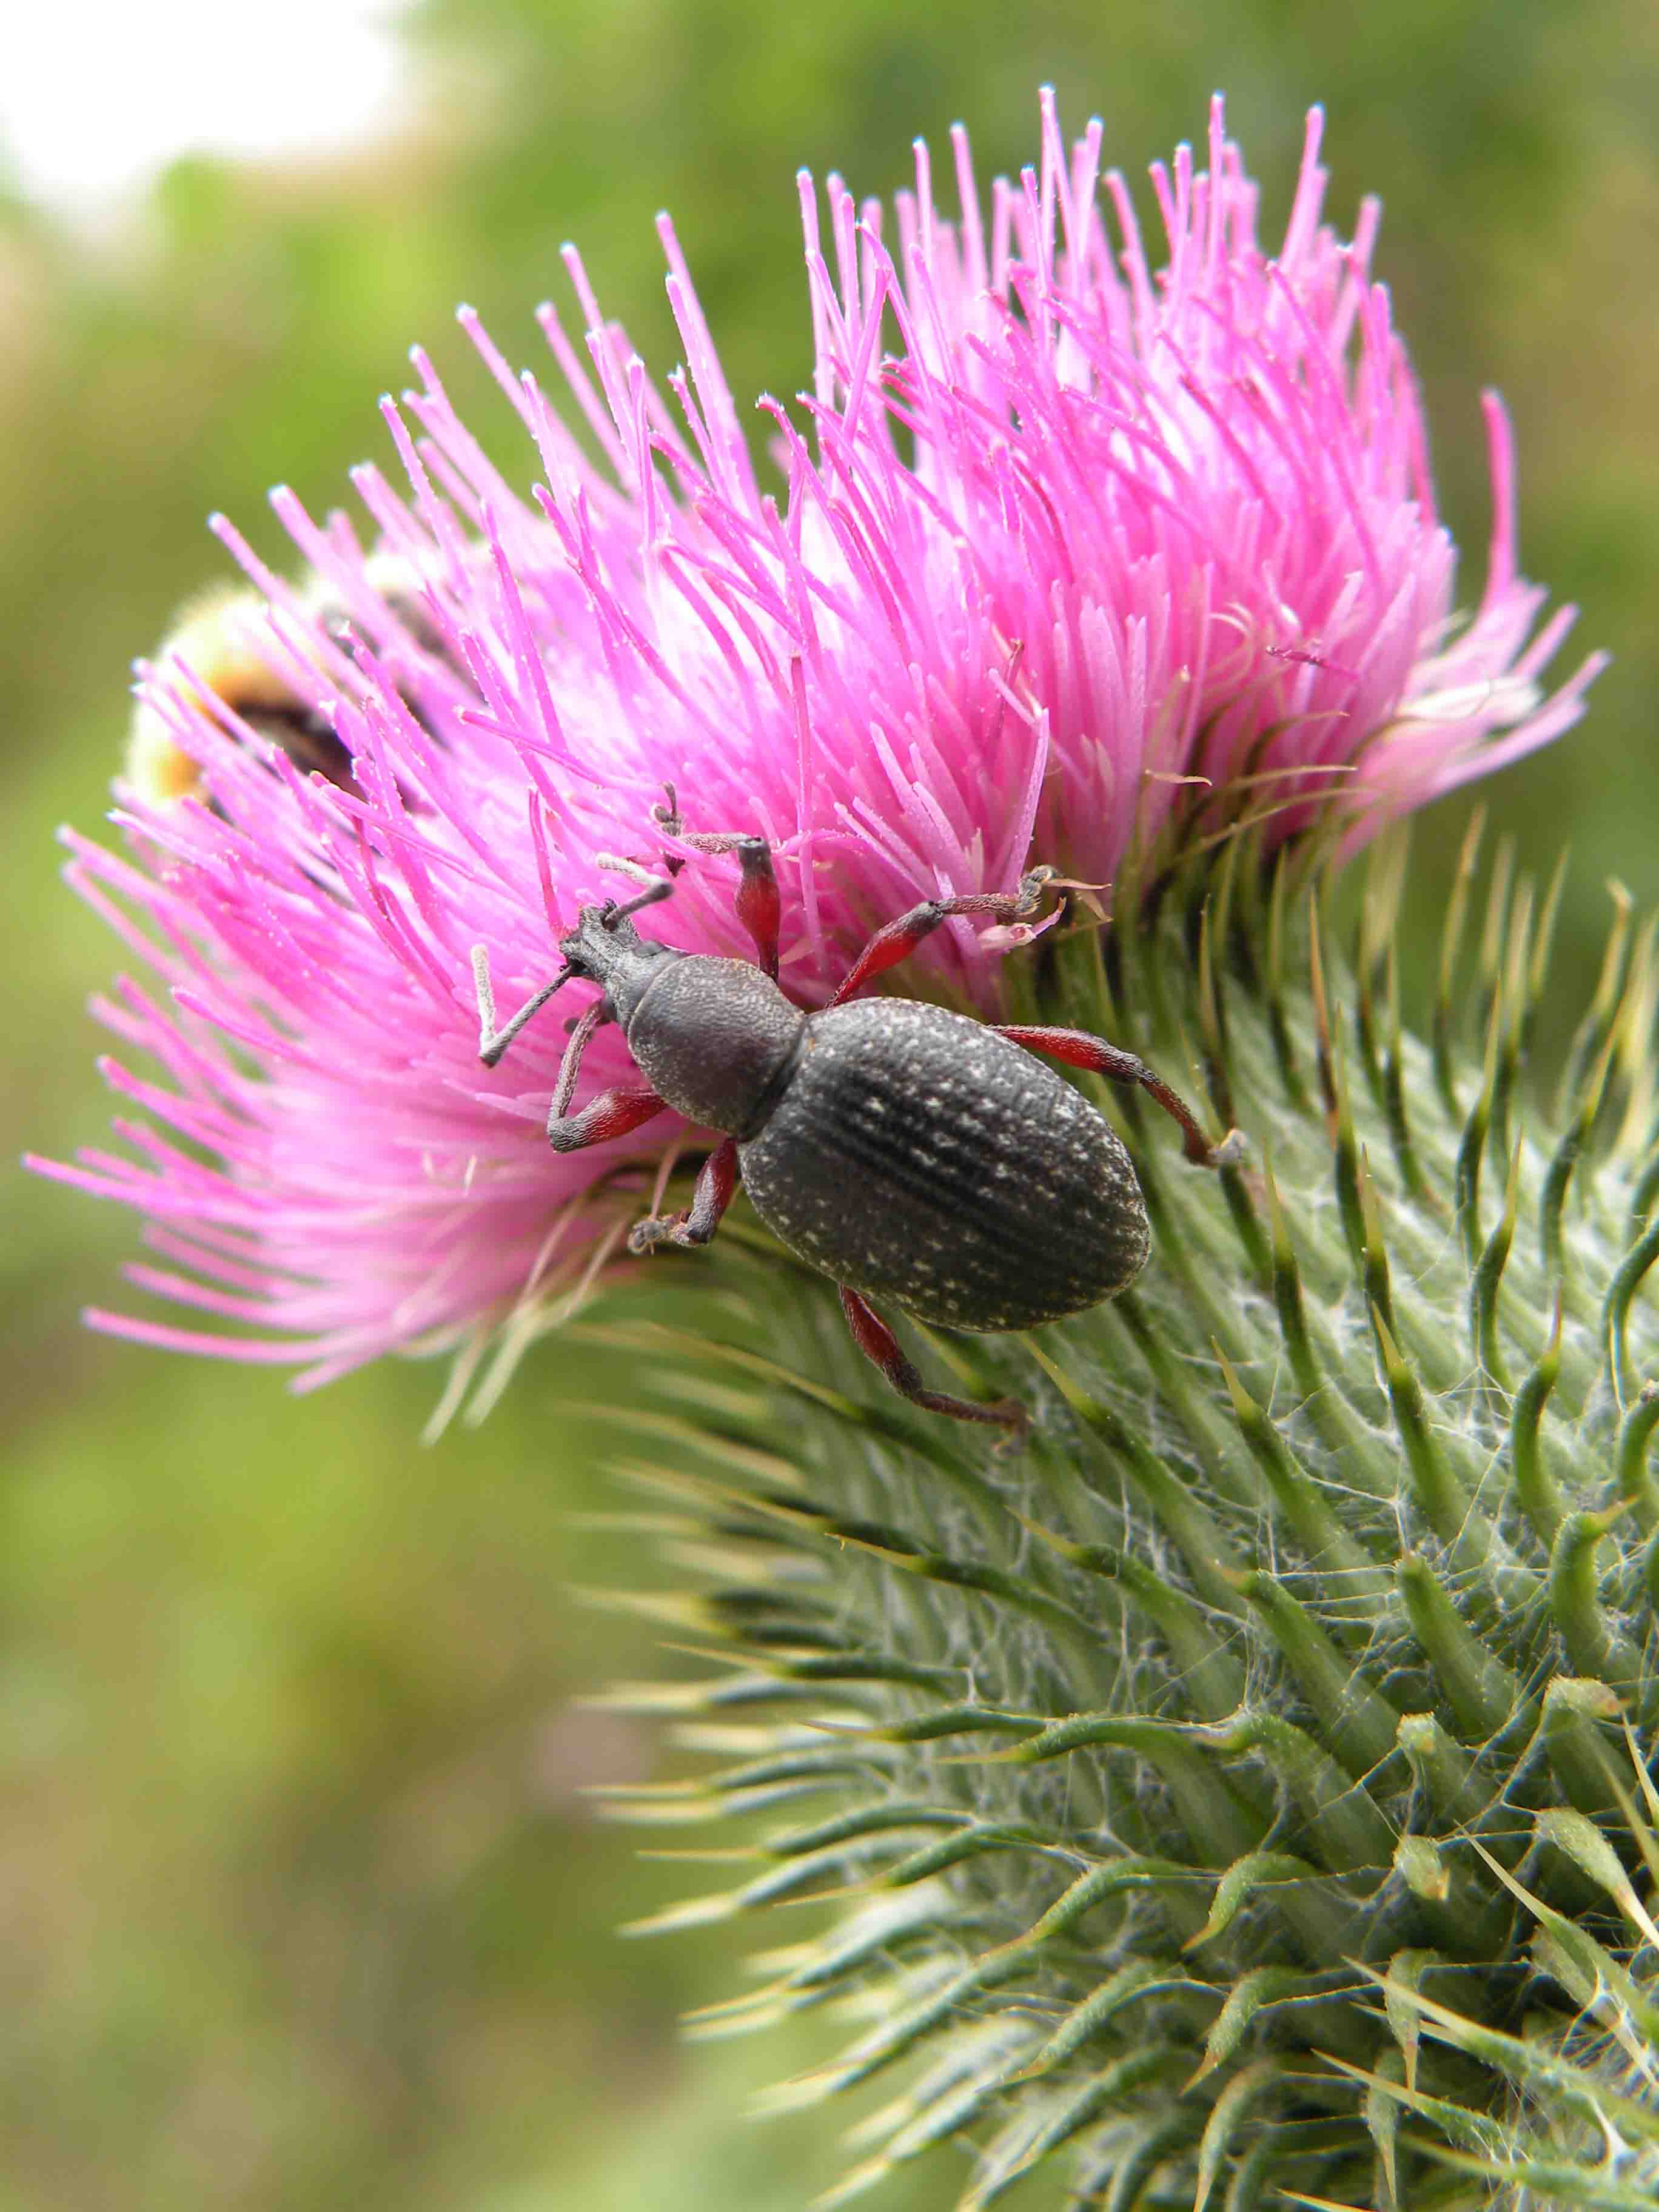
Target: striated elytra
{"type": "Point", "coordinates": [916, 1155]}
{"type": "Point", "coordinates": [913, 1154]}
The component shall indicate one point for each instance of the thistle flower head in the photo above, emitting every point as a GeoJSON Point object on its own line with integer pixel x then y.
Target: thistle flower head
{"type": "Point", "coordinates": [1066, 556]}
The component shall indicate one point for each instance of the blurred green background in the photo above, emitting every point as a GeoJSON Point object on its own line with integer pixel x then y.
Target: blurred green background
{"type": "Point", "coordinates": [300, 1902]}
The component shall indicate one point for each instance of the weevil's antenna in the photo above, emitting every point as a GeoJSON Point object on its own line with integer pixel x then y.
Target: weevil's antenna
{"type": "Point", "coordinates": [660, 888]}
{"type": "Point", "coordinates": [656, 888]}
{"type": "Point", "coordinates": [492, 1041]}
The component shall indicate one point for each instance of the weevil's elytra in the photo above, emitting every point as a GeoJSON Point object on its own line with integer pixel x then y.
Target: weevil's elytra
{"type": "Point", "coordinates": [920, 1157]}
{"type": "Point", "coordinates": [913, 1154]}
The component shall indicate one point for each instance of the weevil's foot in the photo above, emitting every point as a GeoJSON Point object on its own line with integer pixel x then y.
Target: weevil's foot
{"type": "Point", "coordinates": [654, 1231]}
{"type": "Point", "coordinates": [1019, 1422]}
{"type": "Point", "coordinates": [1032, 885]}
{"type": "Point", "coordinates": [1234, 1147]}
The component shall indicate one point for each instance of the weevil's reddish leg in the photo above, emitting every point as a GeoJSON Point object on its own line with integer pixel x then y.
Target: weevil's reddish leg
{"type": "Point", "coordinates": [571, 1065]}
{"type": "Point", "coordinates": [900, 938]}
{"type": "Point", "coordinates": [1078, 1049]}
{"type": "Point", "coordinates": [760, 909]}
{"type": "Point", "coordinates": [716, 1186]}
{"type": "Point", "coordinates": [612, 1113]}
{"type": "Point", "coordinates": [880, 1346]}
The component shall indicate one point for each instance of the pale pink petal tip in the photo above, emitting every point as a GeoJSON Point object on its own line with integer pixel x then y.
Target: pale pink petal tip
{"type": "Point", "coordinates": [1118, 537]}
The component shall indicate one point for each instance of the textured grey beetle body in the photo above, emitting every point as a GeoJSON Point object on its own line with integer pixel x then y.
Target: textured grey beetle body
{"type": "Point", "coordinates": [918, 1157]}
{"type": "Point", "coordinates": [914, 1154]}
{"type": "Point", "coordinates": [911, 1153]}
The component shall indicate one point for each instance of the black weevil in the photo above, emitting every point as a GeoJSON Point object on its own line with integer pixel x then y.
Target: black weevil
{"type": "Point", "coordinates": [911, 1153]}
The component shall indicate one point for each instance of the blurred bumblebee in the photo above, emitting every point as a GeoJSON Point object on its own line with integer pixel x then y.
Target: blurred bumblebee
{"type": "Point", "coordinates": [223, 638]}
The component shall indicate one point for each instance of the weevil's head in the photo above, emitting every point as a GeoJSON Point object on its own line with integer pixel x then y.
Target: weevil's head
{"type": "Point", "coordinates": [606, 949]}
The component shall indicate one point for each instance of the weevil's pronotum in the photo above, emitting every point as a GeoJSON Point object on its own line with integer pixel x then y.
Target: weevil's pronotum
{"type": "Point", "coordinates": [912, 1154]}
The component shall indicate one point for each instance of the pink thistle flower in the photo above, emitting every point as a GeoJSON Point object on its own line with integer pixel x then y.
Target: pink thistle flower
{"type": "Point", "coordinates": [1067, 554]}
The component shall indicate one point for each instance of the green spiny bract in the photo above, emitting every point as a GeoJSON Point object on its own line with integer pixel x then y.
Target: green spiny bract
{"type": "Point", "coordinates": [1242, 1797]}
